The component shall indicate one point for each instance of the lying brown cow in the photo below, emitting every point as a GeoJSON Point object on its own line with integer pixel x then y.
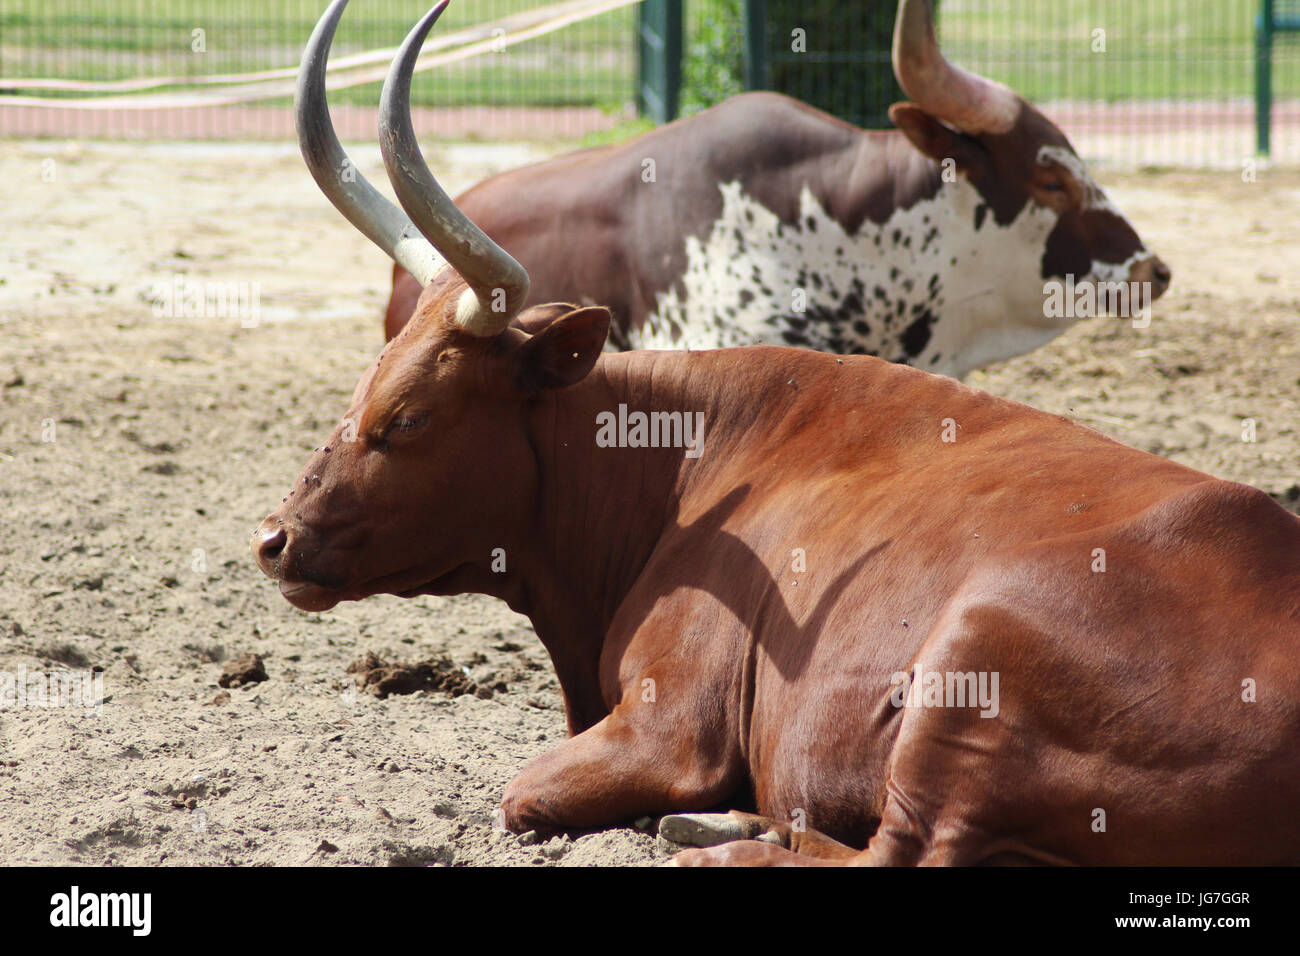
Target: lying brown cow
{"type": "Point", "coordinates": [892, 611]}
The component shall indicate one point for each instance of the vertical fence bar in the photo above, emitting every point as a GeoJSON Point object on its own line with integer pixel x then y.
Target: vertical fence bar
{"type": "Point", "coordinates": [757, 75]}
{"type": "Point", "coordinates": [659, 53]}
{"type": "Point", "coordinates": [1263, 76]}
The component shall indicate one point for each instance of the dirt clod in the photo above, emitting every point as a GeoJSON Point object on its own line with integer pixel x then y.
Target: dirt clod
{"type": "Point", "coordinates": [381, 679]}
{"type": "Point", "coordinates": [247, 669]}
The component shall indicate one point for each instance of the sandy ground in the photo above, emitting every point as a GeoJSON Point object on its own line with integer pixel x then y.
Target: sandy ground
{"type": "Point", "coordinates": [138, 451]}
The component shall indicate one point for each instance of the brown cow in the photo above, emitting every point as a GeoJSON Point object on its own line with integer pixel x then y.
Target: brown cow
{"type": "Point", "coordinates": [765, 221]}
{"type": "Point", "coordinates": [886, 610]}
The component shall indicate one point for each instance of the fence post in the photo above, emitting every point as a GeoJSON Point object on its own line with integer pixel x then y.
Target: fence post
{"type": "Point", "coordinates": [756, 73]}
{"type": "Point", "coordinates": [659, 55]}
{"type": "Point", "coordinates": [1263, 76]}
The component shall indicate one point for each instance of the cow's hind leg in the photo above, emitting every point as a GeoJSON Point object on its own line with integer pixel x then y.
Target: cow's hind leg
{"type": "Point", "coordinates": [713, 829]}
{"type": "Point", "coordinates": [901, 840]}
{"type": "Point", "coordinates": [748, 853]}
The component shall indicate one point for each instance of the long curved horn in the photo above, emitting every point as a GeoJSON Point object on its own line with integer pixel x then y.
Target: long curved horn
{"type": "Point", "coordinates": [383, 223]}
{"type": "Point", "coordinates": [499, 284]}
{"type": "Point", "coordinates": [965, 100]}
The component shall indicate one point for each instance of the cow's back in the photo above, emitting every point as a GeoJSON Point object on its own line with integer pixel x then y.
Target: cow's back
{"type": "Point", "coordinates": [610, 225]}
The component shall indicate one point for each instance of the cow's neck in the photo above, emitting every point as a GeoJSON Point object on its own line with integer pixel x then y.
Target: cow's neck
{"type": "Point", "coordinates": [884, 254]}
{"type": "Point", "coordinates": [601, 510]}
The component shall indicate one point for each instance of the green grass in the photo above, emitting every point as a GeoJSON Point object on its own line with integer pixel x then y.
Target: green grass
{"type": "Point", "coordinates": [589, 63]}
{"type": "Point", "coordinates": [1155, 49]}
{"type": "Point", "coordinates": [618, 133]}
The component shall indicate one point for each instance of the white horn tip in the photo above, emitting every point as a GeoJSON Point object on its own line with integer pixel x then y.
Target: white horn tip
{"type": "Point", "coordinates": [469, 315]}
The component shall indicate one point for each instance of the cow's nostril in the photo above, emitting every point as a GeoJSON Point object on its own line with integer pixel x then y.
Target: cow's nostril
{"type": "Point", "coordinates": [1163, 272]}
{"type": "Point", "coordinates": [268, 545]}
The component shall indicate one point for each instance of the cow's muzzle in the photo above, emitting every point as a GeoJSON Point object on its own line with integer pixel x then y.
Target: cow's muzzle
{"type": "Point", "coordinates": [272, 547]}
{"type": "Point", "coordinates": [268, 545]}
{"type": "Point", "coordinates": [1153, 273]}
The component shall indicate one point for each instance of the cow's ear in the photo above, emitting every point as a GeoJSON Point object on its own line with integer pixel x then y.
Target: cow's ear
{"type": "Point", "coordinates": [537, 317]}
{"type": "Point", "coordinates": [934, 139]}
{"type": "Point", "coordinates": [563, 352]}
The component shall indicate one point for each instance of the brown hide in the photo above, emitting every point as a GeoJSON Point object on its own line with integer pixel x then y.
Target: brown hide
{"type": "Point", "coordinates": [1120, 689]}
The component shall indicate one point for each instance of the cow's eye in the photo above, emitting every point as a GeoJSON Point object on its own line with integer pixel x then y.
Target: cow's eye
{"type": "Point", "coordinates": [407, 423]}
{"type": "Point", "coordinates": [1054, 186]}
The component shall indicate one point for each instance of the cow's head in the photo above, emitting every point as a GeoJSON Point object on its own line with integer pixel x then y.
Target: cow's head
{"type": "Point", "coordinates": [1029, 180]}
{"type": "Point", "coordinates": [432, 465]}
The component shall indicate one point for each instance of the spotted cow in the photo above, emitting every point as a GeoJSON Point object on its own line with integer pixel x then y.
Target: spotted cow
{"type": "Point", "coordinates": [766, 221]}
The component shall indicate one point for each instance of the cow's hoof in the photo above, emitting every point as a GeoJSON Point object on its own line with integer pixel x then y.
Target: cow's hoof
{"type": "Point", "coordinates": [702, 829]}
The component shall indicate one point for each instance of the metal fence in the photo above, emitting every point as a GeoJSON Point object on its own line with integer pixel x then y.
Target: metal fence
{"type": "Point", "coordinates": [1164, 82]}
{"type": "Point", "coordinates": [1132, 81]}
{"type": "Point", "coordinates": [563, 84]}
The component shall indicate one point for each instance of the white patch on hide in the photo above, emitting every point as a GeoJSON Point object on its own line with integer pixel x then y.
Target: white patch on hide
{"type": "Point", "coordinates": [981, 288]}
